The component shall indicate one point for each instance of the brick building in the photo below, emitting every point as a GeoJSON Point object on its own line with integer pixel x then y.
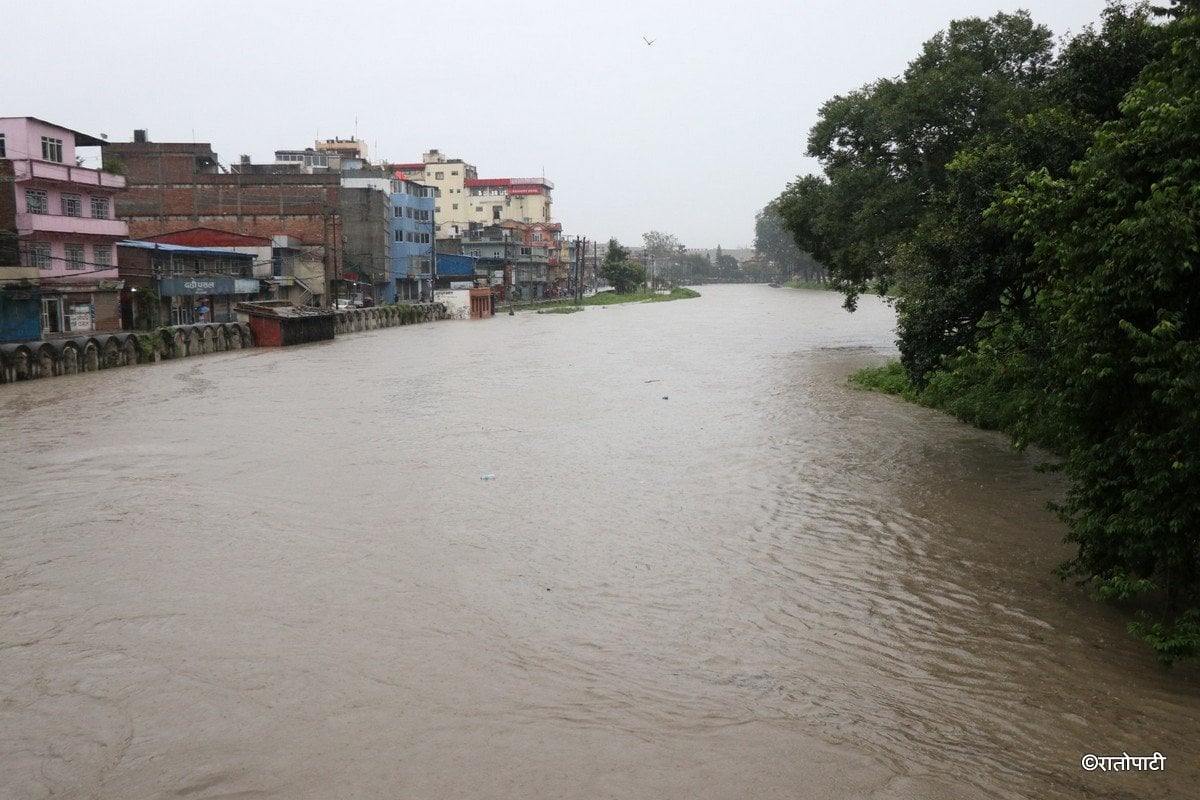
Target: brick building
{"type": "Point", "coordinates": [173, 186]}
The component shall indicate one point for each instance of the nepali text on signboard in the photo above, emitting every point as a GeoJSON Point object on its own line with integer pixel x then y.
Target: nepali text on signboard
{"type": "Point", "coordinates": [172, 287]}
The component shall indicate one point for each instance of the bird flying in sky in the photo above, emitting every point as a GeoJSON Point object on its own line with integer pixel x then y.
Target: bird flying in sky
{"type": "Point", "coordinates": [649, 41]}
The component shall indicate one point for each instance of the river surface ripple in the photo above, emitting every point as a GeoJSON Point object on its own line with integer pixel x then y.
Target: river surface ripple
{"type": "Point", "coordinates": [701, 566]}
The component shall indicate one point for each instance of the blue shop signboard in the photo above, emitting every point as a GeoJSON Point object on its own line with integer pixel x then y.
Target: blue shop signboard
{"type": "Point", "coordinates": [172, 287]}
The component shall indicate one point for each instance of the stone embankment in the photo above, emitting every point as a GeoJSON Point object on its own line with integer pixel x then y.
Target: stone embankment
{"type": "Point", "coordinates": [90, 351]}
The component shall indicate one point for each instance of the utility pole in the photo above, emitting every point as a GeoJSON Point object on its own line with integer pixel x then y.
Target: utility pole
{"type": "Point", "coordinates": [433, 245]}
{"type": "Point", "coordinates": [510, 280]}
{"type": "Point", "coordinates": [578, 272]}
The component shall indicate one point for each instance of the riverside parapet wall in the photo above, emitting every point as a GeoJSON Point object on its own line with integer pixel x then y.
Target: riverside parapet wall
{"type": "Point", "coordinates": [91, 351]}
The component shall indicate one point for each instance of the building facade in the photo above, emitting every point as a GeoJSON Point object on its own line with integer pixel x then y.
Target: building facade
{"type": "Point", "coordinates": [408, 217]}
{"type": "Point", "coordinates": [285, 268]}
{"type": "Point", "coordinates": [177, 186]}
{"type": "Point", "coordinates": [474, 215]}
{"type": "Point", "coordinates": [465, 201]}
{"type": "Point", "coordinates": [447, 177]}
{"type": "Point", "coordinates": [58, 233]}
{"type": "Point", "coordinates": [171, 284]}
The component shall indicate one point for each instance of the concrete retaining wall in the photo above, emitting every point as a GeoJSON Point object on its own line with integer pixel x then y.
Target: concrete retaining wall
{"type": "Point", "coordinates": [89, 353]}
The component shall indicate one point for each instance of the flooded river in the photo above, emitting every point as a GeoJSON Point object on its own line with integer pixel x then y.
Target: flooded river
{"type": "Point", "coordinates": [700, 566]}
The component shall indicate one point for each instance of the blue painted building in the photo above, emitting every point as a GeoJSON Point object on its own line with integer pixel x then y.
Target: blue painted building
{"type": "Point", "coordinates": [409, 224]}
{"type": "Point", "coordinates": [456, 269]}
{"type": "Point", "coordinates": [412, 226]}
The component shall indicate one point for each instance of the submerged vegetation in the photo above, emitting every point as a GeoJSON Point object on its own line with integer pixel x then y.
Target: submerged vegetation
{"type": "Point", "coordinates": [1034, 213]}
{"type": "Point", "coordinates": [614, 298]}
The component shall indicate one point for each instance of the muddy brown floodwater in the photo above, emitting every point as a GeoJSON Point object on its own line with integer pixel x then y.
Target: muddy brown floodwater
{"type": "Point", "coordinates": [701, 566]}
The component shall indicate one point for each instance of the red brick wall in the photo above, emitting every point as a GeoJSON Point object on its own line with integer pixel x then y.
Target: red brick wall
{"type": "Point", "coordinates": [161, 162]}
{"type": "Point", "coordinates": [306, 207]}
{"type": "Point", "coordinates": [9, 256]}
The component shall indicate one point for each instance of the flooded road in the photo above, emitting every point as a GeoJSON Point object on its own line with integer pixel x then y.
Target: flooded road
{"type": "Point", "coordinates": [700, 566]}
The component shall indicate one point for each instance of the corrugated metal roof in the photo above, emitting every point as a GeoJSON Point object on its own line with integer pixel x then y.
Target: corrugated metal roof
{"type": "Point", "coordinates": [183, 249]}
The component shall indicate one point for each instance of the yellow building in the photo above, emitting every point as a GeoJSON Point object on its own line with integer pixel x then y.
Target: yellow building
{"type": "Point", "coordinates": [466, 201]}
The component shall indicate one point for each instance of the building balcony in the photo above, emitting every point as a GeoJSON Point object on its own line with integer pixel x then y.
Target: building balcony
{"type": "Point", "coordinates": [478, 236]}
{"type": "Point", "coordinates": [38, 224]}
{"type": "Point", "coordinates": [29, 169]}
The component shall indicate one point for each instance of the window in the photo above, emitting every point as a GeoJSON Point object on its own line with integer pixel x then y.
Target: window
{"type": "Point", "coordinates": [37, 201]}
{"type": "Point", "coordinates": [399, 236]}
{"type": "Point", "coordinates": [438, 176]}
{"type": "Point", "coordinates": [52, 149]}
{"type": "Point", "coordinates": [99, 208]}
{"type": "Point", "coordinates": [455, 206]}
{"type": "Point", "coordinates": [454, 172]}
{"type": "Point", "coordinates": [3, 149]}
{"type": "Point", "coordinates": [39, 255]}
{"type": "Point", "coordinates": [72, 205]}
{"type": "Point", "coordinates": [75, 256]}
{"type": "Point", "coordinates": [496, 212]}
{"type": "Point", "coordinates": [102, 256]}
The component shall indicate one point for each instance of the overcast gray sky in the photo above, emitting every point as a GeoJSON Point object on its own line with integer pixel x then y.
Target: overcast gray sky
{"type": "Point", "coordinates": [691, 135]}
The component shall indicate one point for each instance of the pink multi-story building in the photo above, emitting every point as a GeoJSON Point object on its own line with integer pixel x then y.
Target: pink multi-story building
{"type": "Point", "coordinates": [62, 215]}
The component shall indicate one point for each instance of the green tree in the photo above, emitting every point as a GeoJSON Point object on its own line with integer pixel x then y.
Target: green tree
{"type": "Point", "coordinates": [773, 241]}
{"type": "Point", "coordinates": [615, 252]}
{"type": "Point", "coordinates": [727, 267]}
{"type": "Point", "coordinates": [696, 266]}
{"type": "Point", "coordinates": [618, 270]}
{"type": "Point", "coordinates": [665, 251]}
{"type": "Point", "coordinates": [625, 276]}
{"type": "Point", "coordinates": [1096, 68]}
{"type": "Point", "coordinates": [885, 147]}
{"type": "Point", "coordinates": [1120, 239]}
{"type": "Point", "coordinates": [758, 272]}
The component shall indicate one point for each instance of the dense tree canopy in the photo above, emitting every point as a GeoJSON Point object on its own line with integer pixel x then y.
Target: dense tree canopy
{"type": "Point", "coordinates": [1120, 242]}
{"type": "Point", "coordinates": [1036, 219]}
